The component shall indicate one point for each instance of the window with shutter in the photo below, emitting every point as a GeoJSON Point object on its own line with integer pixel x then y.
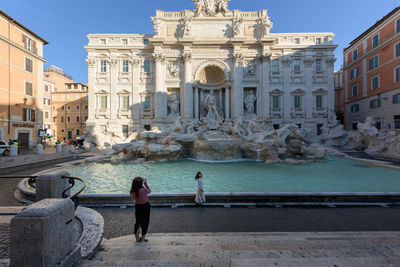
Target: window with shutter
{"type": "Point", "coordinates": [28, 88]}
{"type": "Point", "coordinates": [33, 115]}
{"type": "Point", "coordinates": [29, 65]}
{"type": "Point", "coordinates": [24, 111]}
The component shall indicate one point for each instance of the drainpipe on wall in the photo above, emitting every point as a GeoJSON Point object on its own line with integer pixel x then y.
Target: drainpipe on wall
{"type": "Point", "coordinates": [9, 82]}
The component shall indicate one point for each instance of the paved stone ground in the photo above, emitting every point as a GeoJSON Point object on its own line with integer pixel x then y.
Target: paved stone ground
{"type": "Point", "coordinates": [119, 222]}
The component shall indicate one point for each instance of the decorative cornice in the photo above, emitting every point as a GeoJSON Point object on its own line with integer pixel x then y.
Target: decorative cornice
{"type": "Point", "coordinates": [186, 58]}
{"type": "Point", "coordinates": [159, 58]}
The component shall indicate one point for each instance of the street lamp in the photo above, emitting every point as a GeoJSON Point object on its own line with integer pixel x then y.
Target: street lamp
{"type": "Point", "coordinates": [25, 100]}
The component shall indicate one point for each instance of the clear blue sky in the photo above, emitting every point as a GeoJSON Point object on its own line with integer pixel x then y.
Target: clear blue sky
{"type": "Point", "coordinates": [65, 24]}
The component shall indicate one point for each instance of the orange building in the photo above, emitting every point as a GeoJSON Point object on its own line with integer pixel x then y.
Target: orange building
{"type": "Point", "coordinates": [21, 81]}
{"type": "Point", "coordinates": [69, 111]}
{"type": "Point", "coordinates": [372, 75]}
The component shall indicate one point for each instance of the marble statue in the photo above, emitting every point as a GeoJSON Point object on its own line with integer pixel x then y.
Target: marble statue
{"type": "Point", "coordinates": [173, 104]}
{"type": "Point", "coordinates": [178, 127]}
{"type": "Point", "coordinates": [210, 7]}
{"type": "Point", "coordinates": [237, 22]}
{"type": "Point", "coordinates": [156, 25]}
{"type": "Point", "coordinates": [199, 5]}
{"type": "Point", "coordinates": [213, 117]}
{"type": "Point", "coordinates": [249, 103]}
{"type": "Point", "coordinates": [252, 127]}
{"type": "Point", "coordinates": [222, 6]}
{"type": "Point", "coordinates": [265, 26]}
{"type": "Point", "coordinates": [237, 128]}
{"type": "Point", "coordinates": [187, 26]}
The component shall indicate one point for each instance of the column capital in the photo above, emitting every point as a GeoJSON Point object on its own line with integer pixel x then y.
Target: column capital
{"type": "Point", "coordinates": [308, 61]}
{"type": "Point", "coordinates": [113, 61]}
{"type": "Point", "coordinates": [264, 57]}
{"type": "Point", "coordinates": [330, 61]}
{"type": "Point", "coordinates": [238, 57]}
{"type": "Point", "coordinates": [91, 61]}
{"type": "Point", "coordinates": [158, 58]}
{"type": "Point", "coordinates": [287, 61]}
{"type": "Point", "coordinates": [186, 58]}
{"type": "Point", "coordinates": [135, 61]}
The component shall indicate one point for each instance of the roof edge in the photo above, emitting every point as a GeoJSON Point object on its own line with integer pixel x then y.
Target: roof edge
{"type": "Point", "coordinates": [23, 27]}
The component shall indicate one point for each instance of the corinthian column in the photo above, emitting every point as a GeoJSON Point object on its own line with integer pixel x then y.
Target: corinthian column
{"type": "Point", "coordinates": [160, 92]}
{"type": "Point", "coordinates": [237, 93]}
{"type": "Point", "coordinates": [188, 92]}
{"type": "Point", "coordinates": [264, 104]}
{"type": "Point", "coordinates": [113, 87]}
{"type": "Point", "coordinates": [92, 63]}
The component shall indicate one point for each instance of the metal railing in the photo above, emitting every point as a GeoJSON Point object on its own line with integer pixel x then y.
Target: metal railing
{"type": "Point", "coordinates": [32, 183]}
{"type": "Point", "coordinates": [72, 184]}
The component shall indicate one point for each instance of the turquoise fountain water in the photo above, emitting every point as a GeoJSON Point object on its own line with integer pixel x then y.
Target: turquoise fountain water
{"type": "Point", "coordinates": [330, 175]}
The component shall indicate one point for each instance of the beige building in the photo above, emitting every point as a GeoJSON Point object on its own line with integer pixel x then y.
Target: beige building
{"type": "Point", "coordinates": [21, 82]}
{"type": "Point", "coordinates": [69, 111]}
{"type": "Point", "coordinates": [47, 90]}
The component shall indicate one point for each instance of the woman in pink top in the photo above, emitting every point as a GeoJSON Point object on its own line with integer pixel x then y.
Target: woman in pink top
{"type": "Point", "coordinates": [139, 192]}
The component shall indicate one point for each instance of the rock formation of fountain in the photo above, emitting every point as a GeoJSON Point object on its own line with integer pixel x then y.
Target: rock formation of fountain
{"type": "Point", "coordinates": [229, 141]}
{"type": "Point", "coordinates": [217, 140]}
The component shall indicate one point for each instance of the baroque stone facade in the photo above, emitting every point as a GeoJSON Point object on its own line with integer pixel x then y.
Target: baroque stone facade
{"type": "Point", "coordinates": [210, 64]}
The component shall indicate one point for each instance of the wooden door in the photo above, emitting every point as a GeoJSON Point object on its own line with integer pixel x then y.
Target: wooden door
{"type": "Point", "coordinates": [23, 140]}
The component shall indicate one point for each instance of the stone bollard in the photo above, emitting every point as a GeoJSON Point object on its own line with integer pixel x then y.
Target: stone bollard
{"type": "Point", "coordinates": [51, 185]}
{"type": "Point", "coordinates": [71, 149]}
{"type": "Point", "coordinates": [39, 148]}
{"type": "Point", "coordinates": [59, 148]}
{"type": "Point", "coordinates": [44, 235]}
{"type": "Point", "coordinates": [13, 151]}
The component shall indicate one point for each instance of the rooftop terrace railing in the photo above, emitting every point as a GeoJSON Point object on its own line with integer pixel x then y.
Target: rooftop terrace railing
{"type": "Point", "coordinates": [58, 71]}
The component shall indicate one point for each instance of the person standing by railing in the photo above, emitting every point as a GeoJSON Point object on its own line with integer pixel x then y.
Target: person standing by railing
{"type": "Point", "coordinates": [139, 192]}
{"type": "Point", "coordinates": [200, 197]}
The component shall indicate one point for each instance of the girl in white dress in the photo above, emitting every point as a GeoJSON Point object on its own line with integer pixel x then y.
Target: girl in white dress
{"type": "Point", "coordinates": [200, 197]}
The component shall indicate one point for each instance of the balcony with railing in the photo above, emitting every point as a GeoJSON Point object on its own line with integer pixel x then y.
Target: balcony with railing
{"type": "Point", "coordinates": [297, 112]}
{"type": "Point", "coordinates": [320, 76]}
{"type": "Point", "coordinates": [31, 48]}
{"type": "Point", "coordinates": [298, 76]}
{"type": "Point", "coordinates": [320, 111]}
{"type": "Point", "coordinates": [276, 112]}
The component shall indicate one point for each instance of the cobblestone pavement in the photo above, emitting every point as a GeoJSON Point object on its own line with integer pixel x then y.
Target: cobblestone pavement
{"type": "Point", "coordinates": [4, 240]}
{"type": "Point", "coordinates": [119, 222]}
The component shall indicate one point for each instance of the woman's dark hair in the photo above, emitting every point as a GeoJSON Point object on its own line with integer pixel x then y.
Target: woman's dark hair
{"type": "Point", "coordinates": [197, 175]}
{"type": "Point", "coordinates": [137, 183]}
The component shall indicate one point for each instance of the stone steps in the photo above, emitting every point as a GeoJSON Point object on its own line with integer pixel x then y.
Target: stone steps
{"type": "Point", "coordinates": [339, 262]}
{"type": "Point", "coordinates": [252, 249]}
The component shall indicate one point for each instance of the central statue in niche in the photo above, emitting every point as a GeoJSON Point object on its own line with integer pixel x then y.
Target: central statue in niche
{"type": "Point", "coordinates": [214, 118]}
